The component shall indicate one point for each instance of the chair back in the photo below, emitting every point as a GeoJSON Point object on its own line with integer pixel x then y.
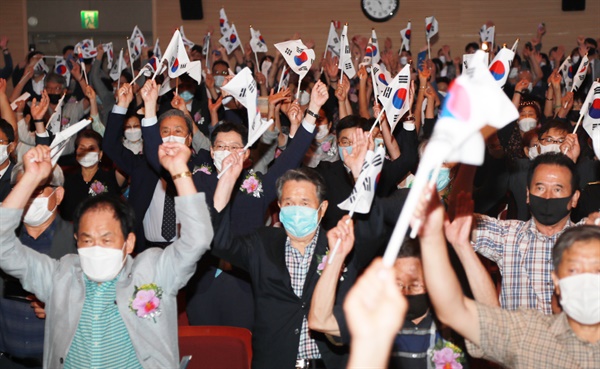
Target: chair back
{"type": "Point", "coordinates": [216, 347]}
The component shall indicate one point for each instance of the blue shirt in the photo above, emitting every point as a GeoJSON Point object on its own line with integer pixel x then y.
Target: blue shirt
{"type": "Point", "coordinates": [21, 332]}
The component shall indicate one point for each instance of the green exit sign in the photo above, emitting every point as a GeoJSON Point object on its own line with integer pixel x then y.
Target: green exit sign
{"type": "Point", "coordinates": [89, 19]}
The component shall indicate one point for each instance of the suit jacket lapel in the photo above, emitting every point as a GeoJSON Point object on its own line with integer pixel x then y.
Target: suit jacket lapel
{"type": "Point", "coordinates": [320, 249]}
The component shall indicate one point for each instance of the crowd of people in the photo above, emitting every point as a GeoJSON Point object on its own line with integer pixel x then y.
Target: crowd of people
{"type": "Point", "coordinates": [156, 208]}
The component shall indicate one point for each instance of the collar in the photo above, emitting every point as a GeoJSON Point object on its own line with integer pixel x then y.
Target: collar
{"type": "Point", "coordinates": [5, 169]}
{"type": "Point", "coordinates": [560, 326]}
{"type": "Point", "coordinates": [47, 233]}
{"type": "Point", "coordinates": [530, 224]}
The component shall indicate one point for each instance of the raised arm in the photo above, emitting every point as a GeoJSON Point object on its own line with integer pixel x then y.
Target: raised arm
{"type": "Point", "coordinates": [6, 112]}
{"type": "Point", "coordinates": [150, 126]}
{"type": "Point", "coordinates": [112, 143]}
{"type": "Point", "coordinates": [320, 316]}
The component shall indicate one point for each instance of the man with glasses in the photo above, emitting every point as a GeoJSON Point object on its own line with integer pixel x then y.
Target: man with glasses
{"type": "Point", "coordinates": [22, 315]}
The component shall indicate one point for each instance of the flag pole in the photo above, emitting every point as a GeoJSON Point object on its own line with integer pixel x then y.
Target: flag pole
{"type": "Point", "coordinates": [281, 78]}
{"type": "Point", "coordinates": [120, 71]}
{"type": "Point", "coordinates": [428, 48]}
{"type": "Point", "coordinates": [339, 240]}
{"type": "Point", "coordinates": [298, 91]}
{"type": "Point", "coordinates": [376, 121]}
{"type": "Point", "coordinates": [159, 68]}
{"type": "Point", "coordinates": [436, 172]}
{"type": "Point", "coordinates": [578, 123]}
{"type": "Point", "coordinates": [373, 82]}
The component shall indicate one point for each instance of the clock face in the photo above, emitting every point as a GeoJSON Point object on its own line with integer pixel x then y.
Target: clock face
{"type": "Point", "coordinates": [380, 10]}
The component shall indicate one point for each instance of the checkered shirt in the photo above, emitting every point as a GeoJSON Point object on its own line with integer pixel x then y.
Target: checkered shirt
{"type": "Point", "coordinates": [528, 339]}
{"type": "Point", "coordinates": [524, 257]}
{"type": "Point", "coordinates": [298, 265]}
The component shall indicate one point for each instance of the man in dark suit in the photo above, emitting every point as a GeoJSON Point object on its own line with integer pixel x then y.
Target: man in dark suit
{"type": "Point", "coordinates": [340, 176]}
{"type": "Point", "coordinates": [7, 146]}
{"type": "Point", "coordinates": [21, 314]}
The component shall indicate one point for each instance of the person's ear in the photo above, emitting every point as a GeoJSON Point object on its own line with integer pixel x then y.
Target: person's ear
{"type": "Point", "coordinates": [246, 155]}
{"type": "Point", "coordinates": [555, 281]}
{"type": "Point", "coordinates": [323, 209]}
{"type": "Point", "coordinates": [527, 198]}
{"type": "Point", "coordinates": [100, 155]}
{"type": "Point", "coordinates": [574, 199]}
{"type": "Point", "coordinates": [130, 243]}
{"type": "Point", "coordinates": [212, 152]}
{"type": "Point", "coordinates": [11, 147]}
{"type": "Point", "coordinates": [59, 194]}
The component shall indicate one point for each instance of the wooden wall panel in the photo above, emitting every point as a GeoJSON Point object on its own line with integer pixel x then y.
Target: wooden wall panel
{"type": "Point", "coordinates": [13, 24]}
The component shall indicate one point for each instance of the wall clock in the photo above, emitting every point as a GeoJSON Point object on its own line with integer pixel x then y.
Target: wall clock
{"type": "Point", "coordinates": [380, 10]}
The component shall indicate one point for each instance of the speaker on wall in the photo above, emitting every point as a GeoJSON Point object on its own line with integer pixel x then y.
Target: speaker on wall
{"type": "Point", "coordinates": [191, 9]}
{"type": "Point", "coordinates": [570, 5]}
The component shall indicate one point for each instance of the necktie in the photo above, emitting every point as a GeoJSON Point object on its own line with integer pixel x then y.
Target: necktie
{"type": "Point", "coordinates": [169, 227]}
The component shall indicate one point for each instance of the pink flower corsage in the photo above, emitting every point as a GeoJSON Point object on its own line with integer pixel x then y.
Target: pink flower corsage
{"type": "Point", "coordinates": [146, 301]}
{"type": "Point", "coordinates": [446, 355]}
{"type": "Point", "coordinates": [322, 260]}
{"type": "Point", "coordinates": [325, 146]}
{"type": "Point", "coordinates": [204, 168]}
{"type": "Point", "coordinates": [197, 117]}
{"type": "Point", "coordinates": [96, 188]}
{"type": "Point", "coordinates": [252, 185]}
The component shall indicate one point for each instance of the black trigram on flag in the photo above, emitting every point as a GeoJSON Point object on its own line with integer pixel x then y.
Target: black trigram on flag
{"type": "Point", "coordinates": [346, 49]}
{"type": "Point", "coordinates": [353, 196]}
{"type": "Point", "coordinates": [403, 79]}
{"type": "Point", "coordinates": [387, 92]}
{"type": "Point", "coordinates": [377, 160]}
{"type": "Point", "coordinates": [303, 68]}
{"type": "Point", "coordinates": [288, 51]}
{"type": "Point", "coordinates": [348, 65]}
{"type": "Point", "coordinates": [367, 184]}
{"type": "Point", "coordinates": [299, 50]}
{"type": "Point", "coordinates": [243, 92]}
{"type": "Point", "coordinates": [252, 86]}
{"type": "Point", "coordinates": [336, 40]}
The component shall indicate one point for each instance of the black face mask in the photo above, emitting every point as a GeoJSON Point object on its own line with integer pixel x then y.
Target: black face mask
{"type": "Point", "coordinates": [573, 115]}
{"type": "Point", "coordinates": [549, 211]}
{"type": "Point", "coordinates": [417, 305]}
{"type": "Point", "coordinates": [54, 98]}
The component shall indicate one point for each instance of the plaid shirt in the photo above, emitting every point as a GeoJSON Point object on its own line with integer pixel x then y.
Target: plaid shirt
{"type": "Point", "coordinates": [524, 257]}
{"type": "Point", "coordinates": [298, 265]}
{"type": "Point", "coordinates": [528, 339]}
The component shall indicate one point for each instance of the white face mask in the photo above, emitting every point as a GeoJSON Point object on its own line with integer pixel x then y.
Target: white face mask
{"type": "Point", "coordinates": [442, 59]}
{"type": "Point", "coordinates": [527, 124]}
{"type": "Point", "coordinates": [304, 98]}
{"type": "Point", "coordinates": [101, 264]}
{"type": "Point", "coordinates": [514, 72]}
{"type": "Point", "coordinates": [219, 81]}
{"type": "Point", "coordinates": [549, 148]}
{"type": "Point", "coordinates": [580, 297]}
{"type": "Point", "coordinates": [322, 132]}
{"type": "Point", "coordinates": [575, 59]}
{"type": "Point", "coordinates": [89, 159]}
{"type": "Point", "coordinates": [219, 156]}
{"type": "Point", "coordinates": [172, 138]}
{"type": "Point", "coordinates": [403, 60]}
{"type": "Point", "coordinates": [38, 212]}
{"type": "Point", "coordinates": [533, 152]}
{"type": "Point", "coordinates": [133, 134]}
{"type": "Point", "coordinates": [3, 153]}
{"type": "Point", "coordinates": [530, 87]}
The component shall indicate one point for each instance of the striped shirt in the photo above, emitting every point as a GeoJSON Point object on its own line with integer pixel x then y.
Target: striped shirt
{"type": "Point", "coordinates": [524, 257]}
{"type": "Point", "coordinates": [298, 265]}
{"type": "Point", "coordinates": [101, 339]}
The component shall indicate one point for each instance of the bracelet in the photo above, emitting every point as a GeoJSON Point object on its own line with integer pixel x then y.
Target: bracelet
{"type": "Point", "coordinates": [423, 87]}
{"type": "Point", "coordinates": [182, 175]}
{"type": "Point", "coordinates": [312, 114]}
{"type": "Point", "coordinates": [518, 92]}
{"type": "Point", "coordinates": [547, 99]}
{"type": "Point", "coordinates": [37, 120]}
{"type": "Point", "coordinates": [557, 106]}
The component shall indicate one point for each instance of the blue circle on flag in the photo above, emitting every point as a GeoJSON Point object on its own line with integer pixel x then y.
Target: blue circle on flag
{"type": "Point", "coordinates": [595, 109]}
{"type": "Point", "coordinates": [399, 98]}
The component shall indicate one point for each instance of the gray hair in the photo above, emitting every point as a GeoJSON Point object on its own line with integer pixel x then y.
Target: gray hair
{"type": "Point", "coordinates": [56, 78]}
{"type": "Point", "coordinates": [569, 237]}
{"type": "Point", "coordinates": [302, 174]}
{"type": "Point", "coordinates": [55, 179]}
{"type": "Point", "coordinates": [178, 113]}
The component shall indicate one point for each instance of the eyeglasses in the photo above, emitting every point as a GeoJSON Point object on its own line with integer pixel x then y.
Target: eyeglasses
{"type": "Point", "coordinates": [231, 148]}
{"type": "Point", "coordinates": [415, 288]}
{"type": "Point", "coordinates": [222, 73]}
{"type": "Point", "coordinates": [551, 140]}
{"type": "Point", "coordinates": [344, 142]}
{"type": "Point", "coordinates": [4, 142]}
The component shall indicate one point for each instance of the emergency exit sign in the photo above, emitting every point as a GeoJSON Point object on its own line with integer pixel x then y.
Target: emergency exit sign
{"type": "Point", "coordinates": [89, 19]}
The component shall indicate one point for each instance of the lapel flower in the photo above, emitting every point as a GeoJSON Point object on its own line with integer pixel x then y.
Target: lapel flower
{"type": "Point", "coordinates": [97, 187]}
{"type": "Point", "coordinates": [197, 117]}
{"type": "Point", "coordinates": [252, 185]}
{"type": "Point", "coordinates": [65, 121]}
{"type": "Point", "coordinates": [146, 301]}
{"type": "Point", "coordinates": [204, 168]}
{"type": "Point", "coordinates": [325, 146]}
{"type": "Point", "coordinates": [322, 260]}
{"type": "Point", "coordinates": [446, 355]}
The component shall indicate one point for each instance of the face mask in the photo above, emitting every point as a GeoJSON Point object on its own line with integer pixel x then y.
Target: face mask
{"type": "Point", "coordinates": [442, 59]}
{"type": "Point", "coordinates": [101, 264]}
{"type": "Point", "coordinates": [299, 221]}
{"type": "Point", "coordinates": [580, 297]}
{"type": "Point", "coordinates": [322, 132]}
{"type": "Point", "coordinates": [443, 179]}
{"type": "Point", "coordinates": [219, 156]}
{"type": "Point", "coordinates": [533, 152]}
{"type": "Point", "coordinates": [549, 148]}
{"type": "Point", "coordinates": [186, 96]}
{"type": "Point", "coordinates": [133, 134]}
{"type": "Point", "coordinates": [219, 81]}
{"type": "Point", "coordinates": [573, 115]}
{"type": "Point", "coordinates": [548, 211]}
{"type": "Point", "coordinates": [417, 305]}
{"type": "Point", "coordinates": [38, 211]}
{"type": "Point", "coordinates": [172, 138]}
{"type": "Point", "coordinates": [552, 64]}
{"type": "Point", "coordinates": [527, 124]}
{"type": "Point", "coordinates": [514, 72]}
{"type": "Point", "coordinates": [403, 60]}
{"type": "Point", "coordinates": [575, 59]}
{"type": "Point", "coordinates": [530, 87]}
{"type": "Point", "coordinates": [378, 142]}
{"type": "Point", "coordinates": [89, 159]}
{"type": "Point", "coordinates": [54, 98]}
{"type": "Point", "coordinates": [304, 98]}
{"type": "Point", "coordinates": [443, 93]}
{"type": "Point", "coordinates": [3, 153]}
{"type": "Point", "coordinates": [344, 150]}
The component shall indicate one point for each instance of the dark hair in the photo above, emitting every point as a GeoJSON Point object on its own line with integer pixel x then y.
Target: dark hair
{"type": "Point", "coordinates": [532, 104]}
{"type": "Point", "coordinates": [229, 127]}
{"type": "Point", "coordinates": [591, 41]}
{"type": "Point", "coordinates": [178, 113]}
{"type": "Point", "coordinates": [411, 248]}
{"type": "Point", "coordinates": [122, 211]}
{"type": "Point", "coordinates": [89, 133]}
{"type": "Point", "coordinates": [197, 48]}
{"type": "Point", "coordinates": [127, 75]}
{"type": "Point", "coordinates": [68, 48]}
{"type": "Point", "coordinates": [445, 80]}
{"type": "Point", "coordinates": [352, 121]}
{"type": "Point", "coordinates": [32, 54]}
{"type": "Point", "coordinates": [302, 174]}
{"type": "Point", "coordinates": [556, 124]}
{"type": "Point", "coordinates": [223, 62]}
{"type": "Point", "coordinates": [569, 237]}
{"type": "Point", "coordinates": [8, 130]}
{"type": "Point", "coordinates": [528, 136]}
{"type": "Point", "coordinates": [558, 159]}
{"type": "Point", "coordinates": [473, 45]}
